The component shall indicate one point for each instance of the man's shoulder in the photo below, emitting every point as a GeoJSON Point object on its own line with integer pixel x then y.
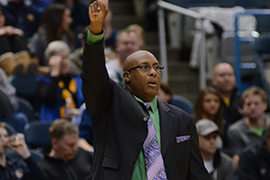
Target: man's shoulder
{"type": "Point", "coordinates": [225, 157]}
{"type": "Point", "coordinates": [49, 162]}
{"type": "Point", "coordinates": [238, 125]}
{"type": "Point", "coordinates": [85, 153]}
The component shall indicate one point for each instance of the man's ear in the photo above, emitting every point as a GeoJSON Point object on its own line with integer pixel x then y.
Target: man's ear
{"type": "Point", "coordinates": [265, 106]}
{"type": "Point", "coordinates": [126, 76]}
{"type": "Point", "coordinates": [54, 142]}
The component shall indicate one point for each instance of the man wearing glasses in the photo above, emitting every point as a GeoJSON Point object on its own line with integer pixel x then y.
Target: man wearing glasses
{"type": "Point", "coordinates": [224, 81]}
{"type": "Point", "coordinates": [135, 136]}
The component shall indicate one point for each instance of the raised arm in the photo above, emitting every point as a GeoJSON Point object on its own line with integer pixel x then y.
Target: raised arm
{"type": "Point", "coordinates": [96, 86]}
{"type": "Point", "coordinates": [98, 11]}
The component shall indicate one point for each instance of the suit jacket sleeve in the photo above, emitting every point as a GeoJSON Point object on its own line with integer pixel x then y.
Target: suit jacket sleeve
{"type": "Point", "coordinates": [96, 83]}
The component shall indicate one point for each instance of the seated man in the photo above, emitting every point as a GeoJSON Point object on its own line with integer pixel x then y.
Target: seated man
{"type": "Point", "coordinates": [65, 160]}
{"type": "Point", "coordinates": [250, 129]}
{"type": "Point", "coordinates": [16, 169]}
{"type": "Point", "coordinates": [127, 42]}
{"type": "Point", "coordinates": [218, 164]}
{"type": "Point", "coordinates": [224, 81]}
{"type": "Point", "coordinates": [254, 162]}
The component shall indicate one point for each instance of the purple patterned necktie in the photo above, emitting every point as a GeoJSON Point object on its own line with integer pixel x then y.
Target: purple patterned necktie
{"type": "Point", "coordinates": [153, 159]}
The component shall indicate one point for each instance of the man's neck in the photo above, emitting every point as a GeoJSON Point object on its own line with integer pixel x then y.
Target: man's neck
{"type": "Point", "coordinates": [225, 95]}
{"type": "Point", "coordinates": [207, 156]}
{"type": "Point", "coordinates": [53, 154]}
{"type": "Point", "coordinates": [207, 116]}
{"type": "Point", "coordinates": [255, 123]}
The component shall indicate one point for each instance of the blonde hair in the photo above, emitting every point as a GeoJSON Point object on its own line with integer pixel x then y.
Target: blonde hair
{"type": "Point", "coordinates": [254, 90]}
{"type": "Point", "coordinates": [60, 127]}
{"type": "Point", "coordinates": [139, 30]}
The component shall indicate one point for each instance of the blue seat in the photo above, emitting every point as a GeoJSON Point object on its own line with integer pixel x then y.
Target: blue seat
{"type": "Point", "coordinates": [247, 4]}
{"type": "Point", "coordinates": [183, 103]}
{"type": "Point", "coordinates": [37, 134]}
{"type": "Point", "coordinates": [231, 3]}
{"type": "Point", "coordinates": [225, 3]}
{"type": "Point", "coordinates": [182, 3]}
{"type": "Point", "coordinates": [192, 3]}
{"type": "Point", "coordinates": [200, 3]}
{"type": "Point", "coordinates": [27, 108]}
{"type": "Point", "coordinates": [25, 85]}
{"type": "Point", "coordinates": [263, 23]}
{"type": "Point", "coordinates": [261, 47]}
{"type": "Point", "coordinates": [10, 129]}
{"type": "Point", "coordinates": [263, 4]}
{"type": "Point", "coordinates": [261, 44]}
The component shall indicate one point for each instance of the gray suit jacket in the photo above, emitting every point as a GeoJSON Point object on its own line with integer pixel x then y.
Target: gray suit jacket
{"type": "Point", "coordinates": [120, 128]}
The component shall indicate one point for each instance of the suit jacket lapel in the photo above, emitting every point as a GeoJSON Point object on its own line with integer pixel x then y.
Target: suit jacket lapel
{"type": "Point", "coordinates": [166, 125]}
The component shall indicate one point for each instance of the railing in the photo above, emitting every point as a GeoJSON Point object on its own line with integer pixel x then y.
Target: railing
{"type": "Point", "coordinates": [162, 38]}
{"type": "Point", "coordinates": [238, 40]}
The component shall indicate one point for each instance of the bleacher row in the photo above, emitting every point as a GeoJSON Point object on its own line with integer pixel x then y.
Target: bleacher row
{"type": "Point", "coordinates": [222, 3]}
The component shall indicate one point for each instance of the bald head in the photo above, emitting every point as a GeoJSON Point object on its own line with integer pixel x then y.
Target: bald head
{"type": "Point", "coordinates": [224, 79]}
{"type": "Point", "coordinates": [221, 66]}
{"type": "Point", "coordinates": [135, 58]}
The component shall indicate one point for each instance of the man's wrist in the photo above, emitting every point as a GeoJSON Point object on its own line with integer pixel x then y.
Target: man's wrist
{"type": "Point", "coordinates": [96, 28]}
{"type": "Point", "coordinates": [94, 39]}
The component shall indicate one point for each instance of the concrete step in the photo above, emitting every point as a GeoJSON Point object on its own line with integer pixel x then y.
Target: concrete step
{"type": "Point", "coordinates": [185, 86]}
{"type": "Point", "coordinates": [183, 79]}
{"type": "Point", "coordinates": [172, 54]}
{"type": "Point", "coordinates": [122, 7]}
{"type": "Point", "coordinates": [151, 37]}
{"type": "Point", "coordinates": [181, 68]}
{"type": "Point", "coordinates": [122, 21]}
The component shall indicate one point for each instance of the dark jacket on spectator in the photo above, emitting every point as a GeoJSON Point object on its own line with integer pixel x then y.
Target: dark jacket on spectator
{"type": "Point", "coordinates": [20, 170]}
{"type": "Point", "coordinates": [254, 163]}
{"type": "Point", "coordinates": [77, 169]}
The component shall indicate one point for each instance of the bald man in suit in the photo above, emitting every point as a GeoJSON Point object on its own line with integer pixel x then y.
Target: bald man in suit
{"type": "Point", "coordinates": [120, 117]}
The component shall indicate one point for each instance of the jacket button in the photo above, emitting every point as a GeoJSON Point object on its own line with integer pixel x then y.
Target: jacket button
{"type": "Point", "coordinates": [142, 141]}
{"type": "Point", "coordinates": [133, 161]}
{"type": "Point", "coordinates": [145, 118]}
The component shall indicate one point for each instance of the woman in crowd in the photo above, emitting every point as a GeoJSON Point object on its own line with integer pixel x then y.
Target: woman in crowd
{"type": "Point", "coordinates": [208, 106]}
{"type": "Point", "coordinates": [54, 26]}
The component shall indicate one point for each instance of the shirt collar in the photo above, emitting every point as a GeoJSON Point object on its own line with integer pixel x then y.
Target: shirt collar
{"type": "Point", "coordinates": [152, 103]}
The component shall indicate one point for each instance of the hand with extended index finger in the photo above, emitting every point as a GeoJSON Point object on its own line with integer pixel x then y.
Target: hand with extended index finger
{"type": "Point", "coordinates": [98, 11]}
